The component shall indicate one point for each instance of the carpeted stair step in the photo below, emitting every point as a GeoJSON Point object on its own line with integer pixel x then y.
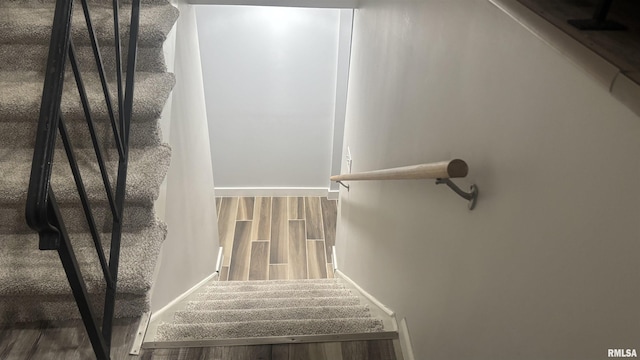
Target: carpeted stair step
{"type": "Point", "coordinates": [234, 330]}
{"type": "Point", "coordinates": [257, 310]}
{"type": "Point", "coordinates": [223, 284]}
{"type": "Point", "coordinates": [32, 25]}
{"type": "Point", "coordinates": [43, 274]}
{"type": "Point", "coordinates": [288, 313]}
{"type": "Point", "coordinates": [21, 93]}
{"type": "Point", "coordinates": [24, 57]}
{"type": "Point", "coordinates": [275, 294]}
{"type": "Point", "coordinates": [271, 303]}
{"type": "Point", "coordinates": [147, 169]}
{"type": "Point", "coordinates": [62, 307]}
{"type": "Point", "coordinates": [240, 287]}
{"type": "Point", "coordinates": [33, 285]}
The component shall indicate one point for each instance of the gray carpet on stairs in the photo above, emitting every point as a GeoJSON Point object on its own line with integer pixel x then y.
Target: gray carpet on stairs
{"type": "Point", "coordinates": [250, 309]}
{"type": "Point", "coordinates": [33, 285]}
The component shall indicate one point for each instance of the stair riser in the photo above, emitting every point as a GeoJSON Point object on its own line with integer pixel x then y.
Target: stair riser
{"type": "Point", "coordinates": [32, 3]}
{"type": "Point", "coordinates": [23, 135]}
{"type": "Point", "coordinates": [33, 58]}
{"type": "Point", "coordinates": [176, 332]}
{"type": "Point", "coordinates": [247, 288]}
{"type": "Point", "coordinates": [273, 294]}
{"type": "Point", "coordinates": [26, 309]}
{"type": "Point", "coordinates": [270, 303]}
{"type": "Point", "coordinates": [136, 217]}
{"type": "Point", "coordinates": [186, 317]}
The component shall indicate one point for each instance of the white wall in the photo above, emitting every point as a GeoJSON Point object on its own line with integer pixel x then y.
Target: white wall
{"type": "Point", "coordinates": [342, 86]}
{"type": "Point", "coordinates": [270, 84]}
{"type": "Point", "coordinates": [187, 202]}
{"type": "Point", "coordinates": [546, 265]}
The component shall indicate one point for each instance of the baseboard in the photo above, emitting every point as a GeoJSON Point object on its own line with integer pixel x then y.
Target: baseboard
{"type": "Point", "coordinates": [270, 191]}
{"type": "Point", "coordinates": [183, 296]}
{"type": "Point", "coordinates": [333, 194]}
{"type": "Point", "coordinates": [405, 341]}
{"type": "Point", "coordinates": [378, 309]}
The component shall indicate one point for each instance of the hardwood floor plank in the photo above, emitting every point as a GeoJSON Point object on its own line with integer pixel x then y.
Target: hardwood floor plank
{"type": "Point", "coordinates": [329, 219]}
{"type": "Point", "coordinates": [280, 352]}
{"type": "Point", "coordinates": [248, 352]}
{"type": "Point", "coordinates": [261, 219]}
{"type": "Point", "coordinates": [279, 231]}
{"type": "Point", "coordinates": [241, 254]}
{"type": "Point", "coordinates": [65, 341]}
{"type": "Point", "coordinates": [245, 208]}
{"type": "Point", "coordinates": [227, 226]}
{"type": "Point", "coordinates": [224, 273]}
{"type": "Point", "coordinates": [21, 341]}
{"type": "Point", "coordinates": [259, 265]}
{"type": "Point", "coordinates": [296, 208]}
{"type": "Point", "coordinates": [316, 259]}
{"type": "Point", "coordinates": [218, 202]}
{"type": "Point", "coordinates": [313, 215]}
{"type": "Point", "coordinates": [316, 351]}
{"type": "Point", "coordinates": [124, 332]}
{"type": "Point", "coordinates": [382, 348]}
{"type": "Point", "coordinates": [279, 272]}
{"type": "Point", "coordinates": [297, 250]}
{"type": "Point", "coordinates": [368, 350]}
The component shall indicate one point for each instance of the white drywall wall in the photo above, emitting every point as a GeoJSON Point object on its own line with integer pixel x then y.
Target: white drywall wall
{"type": "Point", "coordinates": [270, 84]}
{"type": "Point", "coordinates": [190, 250]}
{"type": "Point", "coordinates": [546, 266]}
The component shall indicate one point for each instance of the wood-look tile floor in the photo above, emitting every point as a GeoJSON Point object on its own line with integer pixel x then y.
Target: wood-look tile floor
{"type": "Point", "coordinates": [67, 340]}
{"type": "Point", "coordinates": [276, 238]}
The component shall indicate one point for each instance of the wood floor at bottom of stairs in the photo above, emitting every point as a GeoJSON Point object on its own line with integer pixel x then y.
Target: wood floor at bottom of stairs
{"type": "Point", "coordinates": [68, 340]}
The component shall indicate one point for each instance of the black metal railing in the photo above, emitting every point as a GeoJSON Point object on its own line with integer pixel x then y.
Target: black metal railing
{"type": "Point", "coordinates": [42, 210]}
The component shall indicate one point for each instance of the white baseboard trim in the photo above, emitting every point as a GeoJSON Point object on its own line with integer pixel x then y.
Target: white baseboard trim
{"type": "Point", "coordinates": [405, 341]}
{"type": "Point", "coordinates": [270, 191]}
{"type": "Point", "coordinates": [333, 194]}
{"type": "Point", "coordinates": [378, 309]}
{"type": "Point", "coordinates": [183, 296]}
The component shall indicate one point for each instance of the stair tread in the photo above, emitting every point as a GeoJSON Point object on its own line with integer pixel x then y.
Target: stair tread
{"type": "Point", "coordinates": [32, 25]}
{"type": "Point", "coordinates": [283, 313]}
{"type": "Point", "coordinates": [28, 271]}
{"type": "Point", "coordinates": [271, 303]}
{"type": "Point", "coordinates": [147, 168]}
{"type": "Point", "coordinates": [272, 282]}
{"type": "Point", "coordinates": [176, 332]}
{"type": "Point", "coordinates": [21, 92]}
{"type": "Point", "coordinates": [274, 286]}
{"type": "Point", "coordinates": [272, 294]}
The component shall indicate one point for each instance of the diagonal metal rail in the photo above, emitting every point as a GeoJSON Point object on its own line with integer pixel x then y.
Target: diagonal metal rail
{"type": "Point", "coordinates": [42, 210]}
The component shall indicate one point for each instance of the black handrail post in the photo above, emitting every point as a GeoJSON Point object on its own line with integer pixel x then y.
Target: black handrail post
{"type": "Point", "coordinates": [36, 211]}
{"type": "Point", "coordinates": [122, 168]}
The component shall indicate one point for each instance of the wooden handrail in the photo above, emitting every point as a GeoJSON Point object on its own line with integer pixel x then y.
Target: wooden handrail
{"type": "Point", "coordinates": [440, 170]}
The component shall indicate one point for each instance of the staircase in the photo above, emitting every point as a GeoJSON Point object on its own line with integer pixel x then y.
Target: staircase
{"type": "Point", "coordinates": [259, 312]}
{"type": "Point", "coordinates": [33, 285]}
